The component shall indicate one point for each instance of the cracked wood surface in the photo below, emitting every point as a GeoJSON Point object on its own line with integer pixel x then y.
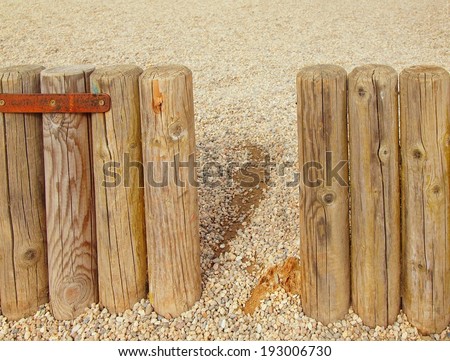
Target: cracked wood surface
{"type": "Point", "coordinates": [119, 202]}
{"type": "Point", "coordinates": [168, 134]}
{"type": "Point", "coordinates": [324, 227]}
{"type": "Point", "coordinates": [72, 258]}
{"type": "Point", "coordinates": [425, 151]}
{"type": "Point", "coordinates": [23, 253]}
{"type": "Point", "coordinates": [375, 193]}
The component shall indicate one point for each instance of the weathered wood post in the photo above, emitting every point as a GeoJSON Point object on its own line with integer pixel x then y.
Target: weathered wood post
{"type": "Point", "coordinates": [119, 201]}
{"type": "Point", "coordinates": [72, 259]}
{"type": "Point", "coordinates": [425, 150]}
{"type": "Point", "coordinates": [171, 204]}
{"type": "Point", "coordinates": [324, 242]}
{"type": "Point", "coordinates": [23, 249]}
{"type": "Point", "coordinates": [375, 193]}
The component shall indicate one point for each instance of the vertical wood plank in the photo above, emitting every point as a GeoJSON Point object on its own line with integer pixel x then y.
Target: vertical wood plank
{"type": "Point", "coordinates": [324, 227]}
{"type": "Point", "coordinates": [425, 151]}
{"type": "Point", "coordinates": [375, 193]}
{"type": "Point", "coordinates": [119, 202]}
{"type": "Point", "coordinates": [23, 254]}
{"type": "Point", "coordinates": [69, 198]}
{"type": "Point", "coordinates": [168, 133]}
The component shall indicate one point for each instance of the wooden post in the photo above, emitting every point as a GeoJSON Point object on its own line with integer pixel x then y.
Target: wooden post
{"type": "Point", "coordinates": [119, 202]}
{"type": "Point", "coordinates": [324, 228]}
{"type": "Point", "coordinates": [167, 114]}
{"type": "Point", "coordinates": [375, 193]}
{"type": "Point", "coordinates": [23, 253]}
{"type": "Point", "coordinates": [425, 150]}
{"type": "Point", "coordinates": [69, 198]}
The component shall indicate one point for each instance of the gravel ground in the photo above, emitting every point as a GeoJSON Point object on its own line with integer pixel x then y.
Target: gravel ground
{"type": "Point", "coordinates": [244, 55]}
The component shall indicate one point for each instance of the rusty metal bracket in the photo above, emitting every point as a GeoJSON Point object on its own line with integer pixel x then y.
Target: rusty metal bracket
{"type": "Point", "coordinates": [55, 103]}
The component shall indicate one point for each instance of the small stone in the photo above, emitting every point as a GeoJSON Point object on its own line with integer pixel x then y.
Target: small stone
{"type": "Point", "coordinates": [148, 309]}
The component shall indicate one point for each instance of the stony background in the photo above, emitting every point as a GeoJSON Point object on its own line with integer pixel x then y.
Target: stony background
{"type": "Point", "coordinates": [244, 55]}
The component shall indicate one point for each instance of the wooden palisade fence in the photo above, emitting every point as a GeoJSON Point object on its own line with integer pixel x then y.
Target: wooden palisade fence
{"type": "Point", "coordinates": [94, 227]}
{"type": "Point", "coordinates": [120, 205]}
{"type": "Point", "coordinates": [377, 288]}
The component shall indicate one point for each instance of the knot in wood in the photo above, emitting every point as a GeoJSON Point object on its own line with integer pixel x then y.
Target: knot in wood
{"type": "Point", "coordinates": [328, 198]}
{"type": "Point", "coordinates": [176, 131]}
{"type": "Point", "coordinates": [417, 154]}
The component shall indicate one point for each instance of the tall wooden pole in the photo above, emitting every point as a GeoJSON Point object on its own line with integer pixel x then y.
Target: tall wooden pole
{"type": "Point", "coordinates": [375, 193]}
{"type": "Point", "coordinates": [72, 258]}
{"type": "Point", "coordinates": [425, 150]}
{"type": "Point", "coordinates": [119, 202]}
{"type": "Point", "coordinates": [324, 228]}
{"type": "Point", "coordinates": [23, 253]}
{"type": "Point", "coordinates": [168, 134]}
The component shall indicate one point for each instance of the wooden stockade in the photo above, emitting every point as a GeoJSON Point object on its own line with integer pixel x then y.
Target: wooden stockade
{"type": "Point", "coordinates": [377, 288]}
{"type": "Point", "coordinates": [120, 204]}
{"type": "Point", "coordinates": [93, 210]}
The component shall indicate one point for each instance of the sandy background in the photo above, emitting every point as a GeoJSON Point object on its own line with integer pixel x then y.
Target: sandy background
{"type": "Point", "coordinates": [244, 55]}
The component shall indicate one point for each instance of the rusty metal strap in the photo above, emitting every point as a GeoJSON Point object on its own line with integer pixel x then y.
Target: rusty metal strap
{"type": "Point", "coordinates": [55, 103]}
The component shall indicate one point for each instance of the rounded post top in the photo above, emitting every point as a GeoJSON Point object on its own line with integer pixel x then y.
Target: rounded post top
{"type": "Point", "coordinates": [68, 70]}
{"type": "Point", "coordinates": [431, 71]}
{"type": "Point", "coordinates": [321, 71]}
{"type": "Point", "coordinates": [112, 71]}
{"type": "Point", "coordinates": [373, 71]}
{"type": "Point", "coordinates": [21, 70]}
{"type": "Point", "coordinates": [166, 71]}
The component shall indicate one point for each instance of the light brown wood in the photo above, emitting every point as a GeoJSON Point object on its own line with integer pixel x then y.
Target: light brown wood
{"type": "Point", "coordinates": [425, 150]}
{"type": "Point", "coordinates": [375, 193]}
{"type": "Point", "coordinates": [72, 258]}
{"type": "Point", "coordinates": [324, 227]}
{"type": "Point", "coordinates": [23, 253]}
{"type": "Point", "coordinates": [119, 201]}
{"type": "Point", "coordinates": [168, 134]}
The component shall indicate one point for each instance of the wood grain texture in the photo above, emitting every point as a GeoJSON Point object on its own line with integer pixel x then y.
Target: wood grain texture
{"type": "Point", "coordinates": [168, 133]}
{"type": "Point", "coordinates": [375, 193]}
{"type": "Point", "coordinates": [72, 258]}
{"type": "Point", "coordinates": [425, 151]}
{"type": "Point", "coordinates": [120, 221]}
{"type": "Point", "coordinates": [23, 249]}
{"type": "Point", "coordinates": [324, 227]}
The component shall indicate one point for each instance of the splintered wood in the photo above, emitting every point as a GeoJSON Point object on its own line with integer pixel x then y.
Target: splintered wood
{"type": "Point", "coordinates": [285, 275]}
{"type": "Point", "coordinates": [71, 234]}
{"type": "Point", "coordinates": [324, 218]}
{"type": "Point", "coordinates": [425, 150]}
{"type": "Point", "coordinates": [23, 249]}
{"type": "Point", "coordinates": [171, 205]}
{"type": "Point", "coordinates": [375, 193]}
{"type": "Point", "coordinates": [119, 201]}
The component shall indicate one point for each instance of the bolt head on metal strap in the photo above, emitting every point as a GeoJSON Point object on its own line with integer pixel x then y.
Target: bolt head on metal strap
{"type": "Point", "coordinates": [55, 103]}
